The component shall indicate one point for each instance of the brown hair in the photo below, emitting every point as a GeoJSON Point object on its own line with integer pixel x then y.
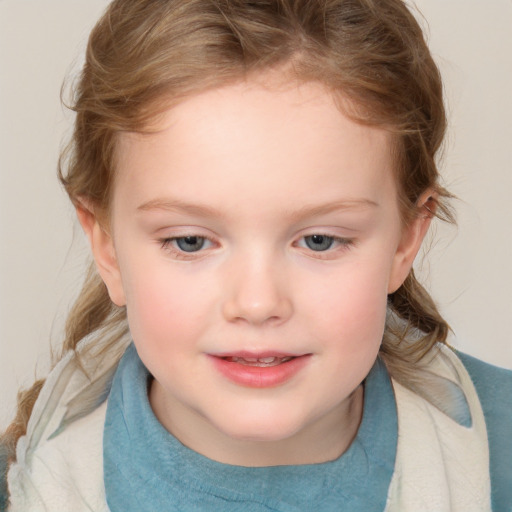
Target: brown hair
{"type": "Point", "coordinates": [144, 55]}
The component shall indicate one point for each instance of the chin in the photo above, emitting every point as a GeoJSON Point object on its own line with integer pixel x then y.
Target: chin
{"type": "Point", "coordinates": [260, 429]}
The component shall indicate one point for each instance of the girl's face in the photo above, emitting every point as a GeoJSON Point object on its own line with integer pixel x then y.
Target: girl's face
{"type": "Point", "coordinates": [255, 238]}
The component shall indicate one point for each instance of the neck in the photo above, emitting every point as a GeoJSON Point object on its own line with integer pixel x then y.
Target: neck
{"type": "Point", "coordinates": [322, 440]}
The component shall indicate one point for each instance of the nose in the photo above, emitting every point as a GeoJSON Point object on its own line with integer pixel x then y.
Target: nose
{"type": "Point", "coordinates": [257, 293]}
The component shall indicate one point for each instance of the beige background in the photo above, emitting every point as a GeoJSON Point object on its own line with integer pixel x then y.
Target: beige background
{"type": "Point", "coordinates": [469, 269]}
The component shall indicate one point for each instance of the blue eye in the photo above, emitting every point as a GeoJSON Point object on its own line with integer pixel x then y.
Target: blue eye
{"type": "Point", "coordinates": [319, 242]}
{"type": "Point", "coordinates": [190, 243]}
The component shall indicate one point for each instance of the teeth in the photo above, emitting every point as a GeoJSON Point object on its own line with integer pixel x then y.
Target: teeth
{"type": "Point", "coordinates": [259, 361]}
{"type": "Point", "coordinates": [265, 359]}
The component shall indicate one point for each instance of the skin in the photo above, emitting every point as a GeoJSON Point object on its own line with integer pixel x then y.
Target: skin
{"type": "Point", "coordinates": [255, 169]}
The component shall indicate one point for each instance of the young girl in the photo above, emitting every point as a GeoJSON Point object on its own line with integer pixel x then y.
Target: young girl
{"type": "Point", "coordinates": [255, 180]}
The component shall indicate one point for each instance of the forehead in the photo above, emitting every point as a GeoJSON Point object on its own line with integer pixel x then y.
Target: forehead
{"type": "Point", "coordinates": [263, 139]}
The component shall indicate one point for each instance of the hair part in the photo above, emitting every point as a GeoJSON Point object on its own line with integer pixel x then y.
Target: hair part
{"type": "Point", "coordinates": [143, 56]}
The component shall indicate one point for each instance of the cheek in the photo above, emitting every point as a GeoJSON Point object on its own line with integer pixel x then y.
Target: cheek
{"type": "Point", "coordinates": [163, 305]}
{"type": "Point", "coordinates": [351, 306]}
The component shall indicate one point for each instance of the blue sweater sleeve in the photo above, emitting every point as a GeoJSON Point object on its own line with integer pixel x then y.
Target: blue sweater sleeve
{"type": "Point", "coordinates": [494, 388]}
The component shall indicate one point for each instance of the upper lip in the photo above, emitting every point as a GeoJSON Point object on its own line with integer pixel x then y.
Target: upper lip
{"type": "Point", "coordinates": [247, 354]}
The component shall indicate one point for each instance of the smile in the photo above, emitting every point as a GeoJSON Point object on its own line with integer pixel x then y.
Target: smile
{"type": "Point", "coordinates": [259, 372]}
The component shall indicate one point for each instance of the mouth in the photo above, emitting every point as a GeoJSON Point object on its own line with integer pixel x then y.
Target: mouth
{"type": "Point", "coordinates": [260, 370]}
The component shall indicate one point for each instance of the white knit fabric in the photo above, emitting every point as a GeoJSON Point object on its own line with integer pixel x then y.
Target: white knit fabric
{"type": "Point", "coordinates": [65, 473]}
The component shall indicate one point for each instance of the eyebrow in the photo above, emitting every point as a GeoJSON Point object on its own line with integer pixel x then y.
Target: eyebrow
{"type": "Point", "coordinates": [178, 206]}
{"type": "Point", "coordinates": [323, 209]}
{"type": "Point", "coordinates": [175, 205]}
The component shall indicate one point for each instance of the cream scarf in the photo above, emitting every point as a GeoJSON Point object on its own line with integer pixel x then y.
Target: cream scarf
{"type": "Point", "coordinates": [441, 466]}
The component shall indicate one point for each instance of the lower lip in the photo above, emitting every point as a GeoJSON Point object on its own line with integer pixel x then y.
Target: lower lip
{"type": "Point", "coordinates": [260, 376]}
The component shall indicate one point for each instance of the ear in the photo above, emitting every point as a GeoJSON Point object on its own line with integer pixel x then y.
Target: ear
{"type": "Point", "coordinates": [411, 240]}
{"type": "Point", "coordinates": [103, 251]}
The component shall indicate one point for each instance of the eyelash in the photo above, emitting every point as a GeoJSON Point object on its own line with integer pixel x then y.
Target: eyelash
{"type": "Point", "coordinates": [337, 244]}
{"type": "Point", "coordinates": [167, 245]}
